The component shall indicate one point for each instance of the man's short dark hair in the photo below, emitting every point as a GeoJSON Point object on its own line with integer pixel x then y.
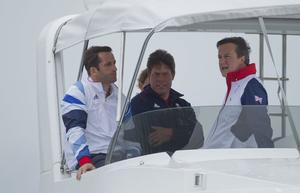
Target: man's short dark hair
{"type": "Point", "coordinates": [91, 58]}
{"type": "Point", "coordinates": [242, 47]}
{"type": "Point", "coordinates": [159, 57]}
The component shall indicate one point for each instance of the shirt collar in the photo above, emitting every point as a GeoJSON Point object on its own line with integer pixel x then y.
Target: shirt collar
{"type": "Point", "coordinates": [99, 87]}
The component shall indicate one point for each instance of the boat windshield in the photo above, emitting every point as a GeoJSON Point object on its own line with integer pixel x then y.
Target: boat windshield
{"type": "Point", "coordinates": [183, 128]}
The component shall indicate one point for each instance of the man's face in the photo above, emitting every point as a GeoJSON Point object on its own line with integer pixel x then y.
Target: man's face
{"type": "Point", "coordinates": [161, 79]}
{"type": "Point", "coordinates": [228, 59]}
{"type": "Point", "coordinates": [107, 72]}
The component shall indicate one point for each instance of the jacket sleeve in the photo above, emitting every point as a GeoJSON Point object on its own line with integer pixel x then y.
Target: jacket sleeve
{"type": "Point", "coordinates": [254, 118]}
{"type": "Point", "coordinates": [74, 115]}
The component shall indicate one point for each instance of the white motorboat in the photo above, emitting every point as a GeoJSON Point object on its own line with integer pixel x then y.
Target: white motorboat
{"type": "Point", "coordinates": [191, 169]}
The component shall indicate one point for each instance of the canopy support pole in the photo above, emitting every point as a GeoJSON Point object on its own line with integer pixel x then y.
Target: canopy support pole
{"type": "Point", "coordinates": [127, 100]}
{"type": "Point", "coordinates": [283, 80]}
{"type": "Point", "coordinates": [85, 46]}
{"type": "Point", "coordinates": [121, 75]}
{"type": "Point", "coordinates": [261, 57]}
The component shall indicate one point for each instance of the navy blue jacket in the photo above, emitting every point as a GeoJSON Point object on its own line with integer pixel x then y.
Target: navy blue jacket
{"type": "Point", "coordinates": [181, 119]}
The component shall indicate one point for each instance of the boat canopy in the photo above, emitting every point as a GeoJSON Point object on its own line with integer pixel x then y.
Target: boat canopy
{"type": "Point", "coordinates": [111, 16]}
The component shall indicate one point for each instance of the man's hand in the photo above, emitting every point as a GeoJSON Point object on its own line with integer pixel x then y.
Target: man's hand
{"type": "Point", "coordinates": [160, 135]}
{"type": "Point", "coordinates": [84, 168]}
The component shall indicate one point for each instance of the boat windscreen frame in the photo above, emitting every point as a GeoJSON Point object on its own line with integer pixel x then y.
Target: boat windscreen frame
{"type": "Point", "coordinates": [122, 108]}
{"type": "Point", "coordinates": [282, 99]}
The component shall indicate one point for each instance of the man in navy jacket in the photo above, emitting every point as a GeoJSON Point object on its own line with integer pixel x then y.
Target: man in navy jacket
{"type": "Point", "coordinates": [171, 128]}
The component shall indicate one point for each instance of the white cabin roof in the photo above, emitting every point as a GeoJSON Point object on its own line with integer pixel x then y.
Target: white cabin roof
{"type": "Point", "coordinates": [180, 15]}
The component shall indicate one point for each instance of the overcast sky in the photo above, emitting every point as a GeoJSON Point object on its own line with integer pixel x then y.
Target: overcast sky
{"type": "Point", "coordinates": [21, 23]}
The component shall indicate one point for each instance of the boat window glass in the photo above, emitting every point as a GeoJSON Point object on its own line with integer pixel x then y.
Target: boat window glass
{"type": "Point", "coordinates": [244, 127]}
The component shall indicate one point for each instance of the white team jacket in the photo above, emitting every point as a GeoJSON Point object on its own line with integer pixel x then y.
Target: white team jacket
{"type": "Point", "coordinates": [221, 135]}
{"type": "Point", "coordinates": [89, 118]}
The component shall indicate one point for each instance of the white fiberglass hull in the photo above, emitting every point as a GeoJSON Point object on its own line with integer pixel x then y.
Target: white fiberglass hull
{"type": "Point", "coordinates": [213, 171]}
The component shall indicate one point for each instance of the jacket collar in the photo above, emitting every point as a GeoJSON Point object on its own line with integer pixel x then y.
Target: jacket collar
{"type": "Point", "coordinates": [174, 95]}
{"type": "Point", "coordinates": [238, 75]}
{"type": "Point", "coordinates": [99, 87]}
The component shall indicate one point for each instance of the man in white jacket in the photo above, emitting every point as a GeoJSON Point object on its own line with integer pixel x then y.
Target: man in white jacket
{"type": "Point", "coordinates": [89, 111]}
{"type": "Point", "coordinates": [243, 122]}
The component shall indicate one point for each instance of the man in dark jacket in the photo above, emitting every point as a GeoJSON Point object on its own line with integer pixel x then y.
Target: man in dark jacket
{"type": "Point", "coordinates": [171, 128]}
